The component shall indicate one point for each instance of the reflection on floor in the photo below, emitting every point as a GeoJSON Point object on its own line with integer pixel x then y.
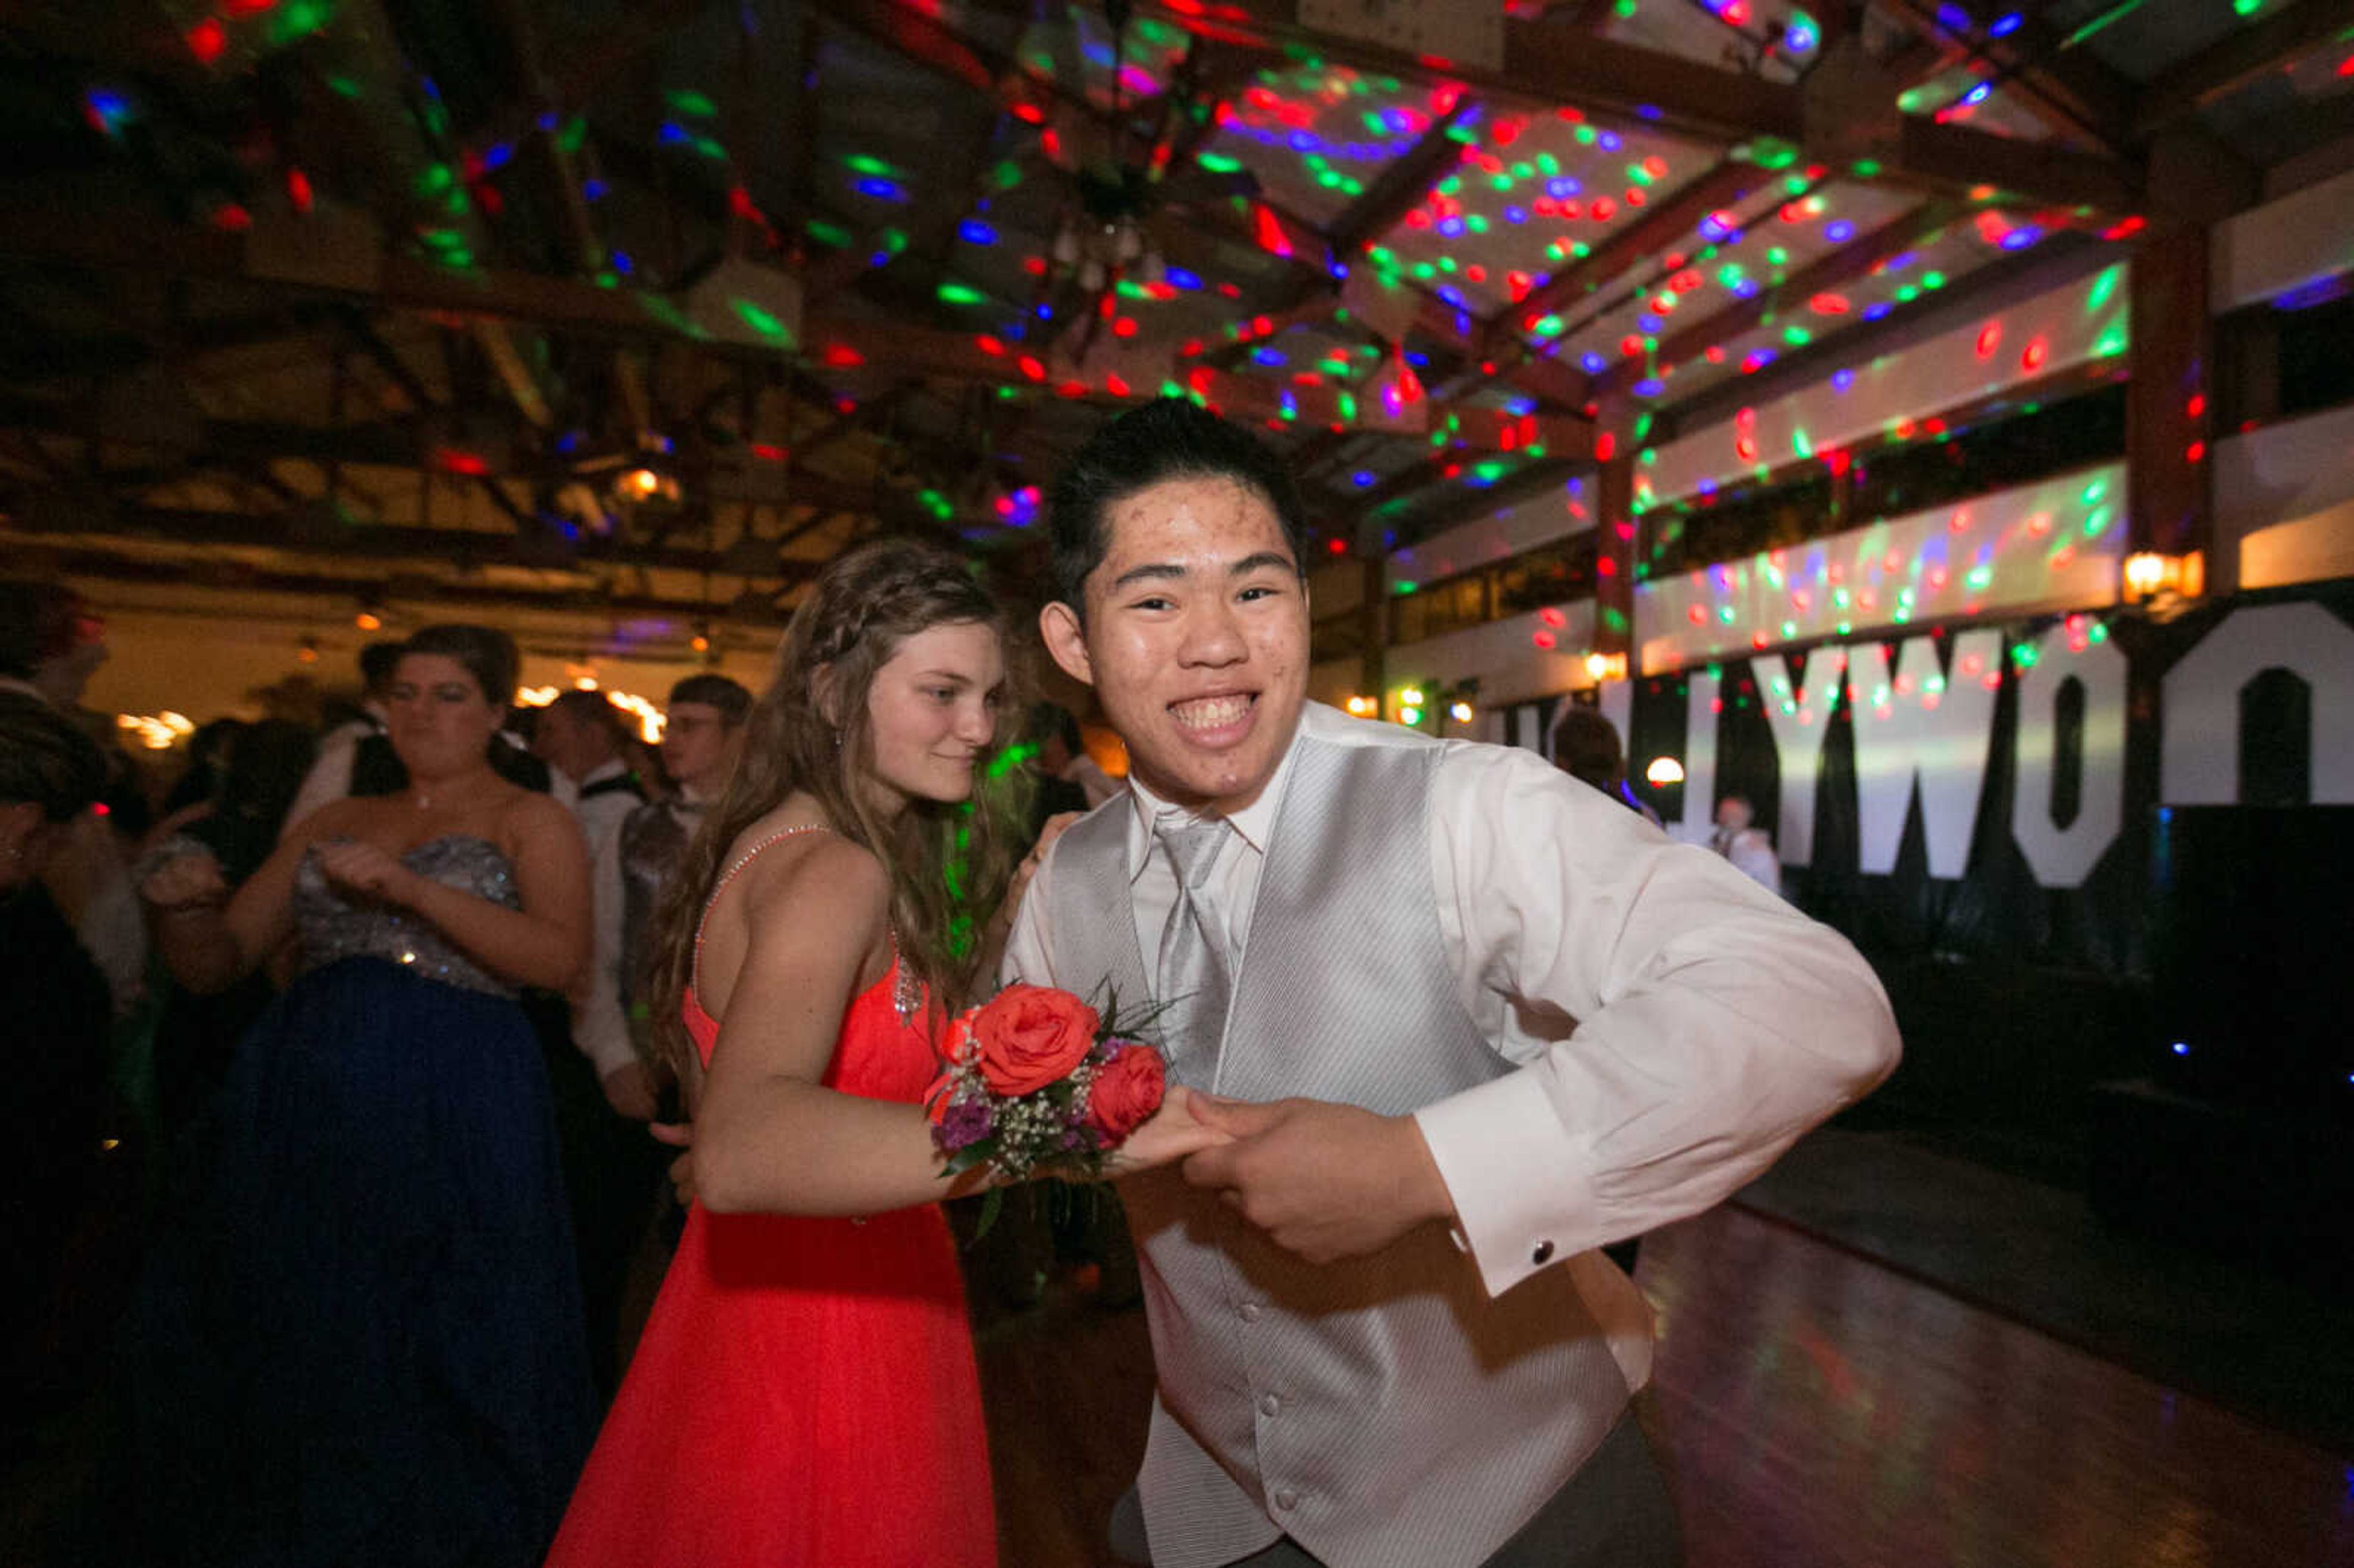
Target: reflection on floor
{"type": "Point", "coordinates": [1817, 1411]}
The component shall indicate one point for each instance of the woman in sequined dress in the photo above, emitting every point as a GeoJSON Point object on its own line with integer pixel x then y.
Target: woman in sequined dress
{"type": "Point", "coordinates": [359, 1341]}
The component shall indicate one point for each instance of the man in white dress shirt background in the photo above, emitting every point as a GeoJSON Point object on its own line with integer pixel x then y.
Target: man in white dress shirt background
{"type": "Point", "coordinates": [1468, 1020]}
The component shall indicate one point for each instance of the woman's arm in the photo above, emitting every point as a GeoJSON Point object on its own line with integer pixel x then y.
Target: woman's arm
{"type": "Point", "coordinates": [208, 939]}
{"type": "Point", "coordinates": [767, 1137]}
{"type": "Point", "coordinates": [543, 944]}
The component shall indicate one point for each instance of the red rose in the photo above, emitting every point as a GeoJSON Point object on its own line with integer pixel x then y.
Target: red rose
{"type": "Point", "coordinates": [1030, 1036]}
{"type": "Point", "coordinates": [957, 1044]}
{"type": "Point", "coordinates": [1126, 1092]}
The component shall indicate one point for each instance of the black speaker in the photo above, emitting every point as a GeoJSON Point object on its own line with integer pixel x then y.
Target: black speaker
{"type": "Point", "coordinates": [2252, 957]}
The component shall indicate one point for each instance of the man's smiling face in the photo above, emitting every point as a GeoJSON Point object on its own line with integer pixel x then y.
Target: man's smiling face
{"type": "Point", "coordinates": [1195, 637]}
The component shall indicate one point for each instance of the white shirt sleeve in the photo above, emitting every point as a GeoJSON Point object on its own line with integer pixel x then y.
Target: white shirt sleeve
{"type": "Point", "coordinates": [330, 778]}
{"type": "Point", "coordinates": [1712, 1024]}
{"type": "Point", "coordinates": [599, 1026]}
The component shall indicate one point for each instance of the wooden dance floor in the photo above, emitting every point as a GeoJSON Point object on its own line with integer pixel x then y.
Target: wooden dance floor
{"type": "Point", "coordinates": [1818, 1410]}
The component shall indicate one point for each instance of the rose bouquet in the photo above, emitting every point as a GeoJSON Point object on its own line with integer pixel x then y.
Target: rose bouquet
{"type": "Point", "coordinates": [1038, 1080]}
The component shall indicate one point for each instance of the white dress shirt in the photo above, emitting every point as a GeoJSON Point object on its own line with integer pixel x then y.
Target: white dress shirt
{"type": "Point", "coordinates": [600, 1027]}
{"type": "Point", "coordinates": [330, 778]}
{"type": "Point", "coordinates": [1677, 1026]}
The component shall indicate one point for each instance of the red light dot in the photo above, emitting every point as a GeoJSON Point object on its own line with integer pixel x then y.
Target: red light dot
{"type": "Point", "coordinates": [1697, 615]}
{"type": "Point", "coordinates": [2195, 452]}
{"type": "Point", "coordinates": [208, 38]}
{"type": "Point", "coordinates": [1032, 369]}
{"type": "Point", "coordinates": [2033, 358]}
{"type": "Point", "coordinates": [1124, 327]}
{"type": "Point", "coordinates": [1605, 446]}
{"type": "Point", "coordinates": [1542, 639]}
{"type": "Point", "coordinates": [298, 189]}
{"type": "Point", "coordinates": [2197, 406]}
{"type": "Point", "coordinates": [1553, 616]}
{"type": "Point", "coordinates": [1989, 336]}
{"type": "Point", "coordinates": [1117, 386]}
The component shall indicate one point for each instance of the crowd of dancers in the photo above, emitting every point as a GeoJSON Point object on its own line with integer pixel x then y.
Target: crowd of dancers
{"type": "Point", "coordinates": [1441, 1024]}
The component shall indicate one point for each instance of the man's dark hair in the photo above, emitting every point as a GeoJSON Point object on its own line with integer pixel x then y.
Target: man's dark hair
{"type": "Point", "coordinates": [1168, 438]}
{"type": "Point", "coordinates": [46, 760]}
{"type": "Point", "coordinates": [597, 710]}
{"type": "Point", "coordinates": [731, 697]}
{"type": "Point", "coordinates": [37, 624]}
{"type": "Point", "coordinates": [378, 662]}
{"type": "Point", "coordinates": [1052, 718]}
{"type": "Point", "coordinates": [1585, 746]}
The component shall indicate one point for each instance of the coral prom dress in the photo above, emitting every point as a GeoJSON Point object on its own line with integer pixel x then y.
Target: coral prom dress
{"type": "Point", "coordinates": [804, 1394]}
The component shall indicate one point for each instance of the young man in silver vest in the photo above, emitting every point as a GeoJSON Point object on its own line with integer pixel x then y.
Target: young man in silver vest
{"type": "Point", "coordinates": [1466, 1020]}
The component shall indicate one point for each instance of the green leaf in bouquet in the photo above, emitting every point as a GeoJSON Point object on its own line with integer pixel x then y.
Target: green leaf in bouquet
{"type": "Point", "coordinates": [965, 1159]}
{"type": "Point", "coordinates": [990, 1203]}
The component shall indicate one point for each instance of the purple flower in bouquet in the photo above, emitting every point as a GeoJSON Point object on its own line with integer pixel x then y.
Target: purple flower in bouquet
{"type": "Point", "coordinates": [965, 1123]}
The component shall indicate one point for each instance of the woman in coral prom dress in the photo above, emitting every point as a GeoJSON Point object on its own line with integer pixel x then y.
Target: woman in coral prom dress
{"type": "Point", "coordinates": [804, 1393]}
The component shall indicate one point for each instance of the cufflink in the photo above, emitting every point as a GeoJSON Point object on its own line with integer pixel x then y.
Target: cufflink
{"type": "Point", "coordinates": [1544, 1253]}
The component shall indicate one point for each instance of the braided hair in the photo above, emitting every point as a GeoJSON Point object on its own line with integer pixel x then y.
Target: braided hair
{"type": "Point", "coordinates": [950, 863]}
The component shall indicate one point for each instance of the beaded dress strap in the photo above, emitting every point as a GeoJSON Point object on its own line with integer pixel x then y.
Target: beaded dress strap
{"type": "Point", "coordinates": [695, 975]}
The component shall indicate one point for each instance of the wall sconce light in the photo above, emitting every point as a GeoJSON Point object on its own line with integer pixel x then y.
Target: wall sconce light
{"type": "Point", "coordinates": [1363, 708]}
{"type": "Point", "coordinates": [1460, 712]}
{"type": "Point", "coordinates": [2158, 580]}
{"type": "Point", "coordinates": [1664, 772]}
{"type": "Point", "coordinates": [1605, 667]}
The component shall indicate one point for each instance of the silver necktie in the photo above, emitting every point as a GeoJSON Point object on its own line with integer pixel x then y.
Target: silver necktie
{"type": "Point", "coordinates": [1192, 978]}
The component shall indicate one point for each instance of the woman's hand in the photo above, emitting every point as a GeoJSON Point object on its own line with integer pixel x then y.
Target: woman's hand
{"type": "Point", "coordinates": [184, 882]}
{"type": "Point", "coordinates": [365, 868]}
{"type": "Point", "coordinates": [1172, 1133]}
{"type": "Point", "coordinates": [679, 1135]}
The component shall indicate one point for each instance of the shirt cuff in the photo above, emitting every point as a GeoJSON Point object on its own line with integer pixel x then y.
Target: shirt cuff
{"type": "Point", "coordinates": [607, 1046]}
{"type": "Point", "coordinates": [1521, 1188]}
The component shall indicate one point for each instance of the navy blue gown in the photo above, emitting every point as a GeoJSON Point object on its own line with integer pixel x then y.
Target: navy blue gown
{"type": "Point", "coordinates": [359, 1341]}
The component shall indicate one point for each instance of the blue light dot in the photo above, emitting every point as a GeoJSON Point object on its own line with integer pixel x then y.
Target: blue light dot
{"type": "Point", "coordinates": [673, 132]}
{"type": "Point", "coordinates": [1450, 227]}
{"type": "Point", "coordinates": [1609, 141]}
{"type": "Point", "coordinates": [549, 121]}
{"type": "Point", "coordinates": [881, 189]}
{"type": "Point", "coordinates": [1267, 356]}
{"type": "Point", "coordinates": [1516, 214]}
{"type": "Point", "coordinates": [1646, 324]}
{"type": "Point", "coordinates": [1180, 279]}
{"type": "Point", "coordinates": [1843, 379]}
{"type": "Point", "coordinates": [1593, 364]}
{"type": "Point", "coordinates": [1364, 479]}
{"type": "Point", "coordinates": [592, 190]}
{"type": "Point", "coordinates": [1878, 309]}
{"type": "Point", "coordinates": [2181, 1048]}
{"type": "Point", "coordinates": [1650, 386]}
{"type": "Point", "coordinates": [1420, 361]}
{"type": "Point", "coordinates": [972, 231]}
{"type": "Point", "coordinates": [2005, 25]}
{"type": "Point", "coordinates": [1840, 233]}
{"type": "Point", "coordinates": [1562, 186]}
{"type": "Point", "coordinates": [1448, 292]}
{"type": "Point", "coordinates": [621, 263]}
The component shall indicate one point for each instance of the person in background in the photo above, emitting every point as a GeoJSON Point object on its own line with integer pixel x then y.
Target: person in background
{"type": "Point", "coordinates": [265, 765]}
{"type": "Point", "coordinates": [333, 775]}
{"type": "Point", "coordinates": [701, 736]}
{"type": "Point", "coordinates": [604, 1094]}
{"type": "Point", "coordinates": [1063, 755]}
{"type": "Point", "coordinates": [1750, 848]}
{"type": "Point", "coordinates": [358, 1338]}
{"type": "Point", "coordinates": [613, 1021]}
{"type": "Point", "coordinates": [200, 780]}
{"type": "Point", "coordinates": [1585, 746]}
{"type": "Point", "coordinates": [51, 643]}
{"type": "Point", "coordinates": [58, 1018]}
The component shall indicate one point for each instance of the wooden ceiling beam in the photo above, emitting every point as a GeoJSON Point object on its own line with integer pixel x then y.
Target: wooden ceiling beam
{"type": "Point", "coordinates": [1834, 271]}
{"type": "Point", "coordinates": [2068, 91]}
{"type": "Point", "coordinates": [2217, 72]}
{"type": "Point", "coordinates": [1727, 184]}
{"type": "Point", "coordinates": [1546, 62]}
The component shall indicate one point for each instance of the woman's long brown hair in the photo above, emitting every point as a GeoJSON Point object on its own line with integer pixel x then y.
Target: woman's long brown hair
{"type": "Point", "coordinates": [950, 863]}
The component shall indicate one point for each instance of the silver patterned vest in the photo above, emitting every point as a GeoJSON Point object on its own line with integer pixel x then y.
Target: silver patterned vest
{"type": "Point", "coordinates": [1384, 1413]}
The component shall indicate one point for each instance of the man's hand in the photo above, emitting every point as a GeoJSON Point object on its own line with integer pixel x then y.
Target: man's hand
{"type": "Point", "coordinates": [1325, 1181]}
{"type": "Point", "coordinates": [630, 1090]}
{"type": "Point", "coordinates": [679, 1135]}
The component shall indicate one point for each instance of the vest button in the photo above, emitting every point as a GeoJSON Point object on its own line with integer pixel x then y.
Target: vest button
{"type": "Point", "coordinates": [1250, 1312]}
{"type": "Point", "coordinates": [1268, 1405]}
{"type": "Point", "coordinates": [1544, 1253]}
{"type": "Point", "coordinates": [1286, 1500]}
